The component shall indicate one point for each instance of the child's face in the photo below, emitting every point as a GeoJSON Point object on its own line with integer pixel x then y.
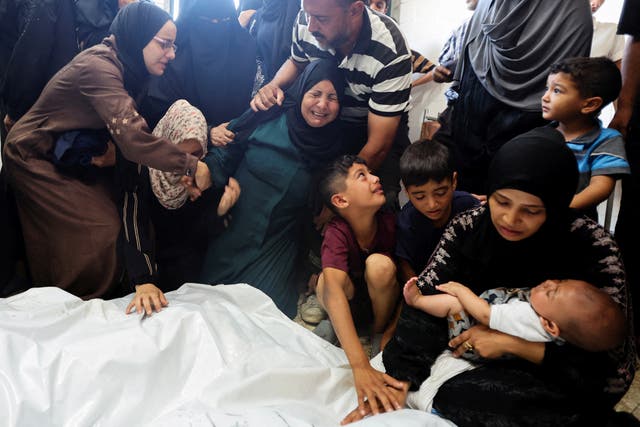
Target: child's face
{"type": "Point", "coordinates": [433, 199]}
{"type": "Point", "coordinates": [555, 300]}
{"type": "Point", "coordinates": [562, 101]}
{"type": "Point", "coordinates": [363, 189]}
{"type": "Point", "coordinates": [515, 214]}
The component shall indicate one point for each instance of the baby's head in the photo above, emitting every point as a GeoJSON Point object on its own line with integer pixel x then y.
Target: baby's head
{"type": "Point", "coordinates": [580, 313]}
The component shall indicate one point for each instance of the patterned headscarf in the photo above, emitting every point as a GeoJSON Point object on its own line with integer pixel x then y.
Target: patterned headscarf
{"type": "Point", "coordinates": [181, 122]}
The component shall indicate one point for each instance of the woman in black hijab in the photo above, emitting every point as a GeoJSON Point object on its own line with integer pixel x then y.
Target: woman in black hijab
{"type": "Point", "coordinates": [272, 27]}
{"type": "Point", "coordinates": [71, 226]}
{"type": "Point", "coordinates": [525, 234]}
{"type": "Point", "coordinates": [273, 158]}
{"type": "Point", "coordinates": [214, 68]}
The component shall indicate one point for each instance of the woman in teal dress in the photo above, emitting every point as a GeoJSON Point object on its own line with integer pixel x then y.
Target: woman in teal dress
{"type": "Point", "coordinates": [273, 156]}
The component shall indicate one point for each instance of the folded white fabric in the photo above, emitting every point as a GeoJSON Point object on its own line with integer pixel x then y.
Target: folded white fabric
{"type": "Point", "coordinates": [444, 368]}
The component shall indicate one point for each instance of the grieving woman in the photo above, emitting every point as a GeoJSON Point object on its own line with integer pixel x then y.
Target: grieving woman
{"type": "Point", "coordinates": [273, 157]}
{"type": "Point", "coordinates": [524, 234]}
{"type": "Point", "coordinates": [71, 218]}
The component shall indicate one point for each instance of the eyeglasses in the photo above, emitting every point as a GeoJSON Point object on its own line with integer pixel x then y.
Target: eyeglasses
{"type": "Point", "coordinates": [166, 44]}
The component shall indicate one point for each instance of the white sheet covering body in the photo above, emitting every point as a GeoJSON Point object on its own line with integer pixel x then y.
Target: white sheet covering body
{"type": "Point", "coordinates": [216, 356]}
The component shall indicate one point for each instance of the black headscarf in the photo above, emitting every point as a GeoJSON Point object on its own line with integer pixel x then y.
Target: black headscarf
{"type": "Point", "coordinates": [539, 163]}
{"type": "Point", "coordinates": [134, 27]}
{"type": "Point", "coordinates": [316, 145]}
{"type": "Point", "coordinates": [272, 30]}
{"type": "Point", "coordinates": [214, 68]}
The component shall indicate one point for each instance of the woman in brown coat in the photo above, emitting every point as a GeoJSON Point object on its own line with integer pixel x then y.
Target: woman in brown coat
{"type": "Point", "coordinates": [71, 224]}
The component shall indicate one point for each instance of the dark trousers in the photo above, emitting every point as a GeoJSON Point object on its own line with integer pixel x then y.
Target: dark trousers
{"type": "Point", "coordinates": [627, 231]}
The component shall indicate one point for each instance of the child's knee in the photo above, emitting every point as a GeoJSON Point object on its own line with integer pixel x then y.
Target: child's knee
{"type": "Point", "coordinates": [380, 269]}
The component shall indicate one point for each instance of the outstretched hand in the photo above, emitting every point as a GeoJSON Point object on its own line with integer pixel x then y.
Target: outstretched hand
{"type": "Point", "coordinates": [376, 391]}
{"type": "Point", "coordinates": [201, 182]}
{"type": "Point", "coordinates": [392, 397]}
{"type": "Point", "coordinates": [268, 96]}
{"type": "Point", "coordinates": [148, 297]}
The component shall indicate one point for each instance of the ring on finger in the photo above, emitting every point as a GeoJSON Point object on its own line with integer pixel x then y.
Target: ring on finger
{"type": "Point", "coordinates": [468, 346]}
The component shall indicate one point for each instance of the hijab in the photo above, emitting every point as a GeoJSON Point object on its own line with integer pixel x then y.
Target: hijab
{"type": "Point", "coordinates": [185, 125]}
{"type": "Point", "coordinates": [273, 29]}
{"type": "Point", "coordinates": [539, 163]}
{"type": "Point", "coordinates": [315, 145]}
{"type": "Point", "coordinates": [215, 64]}
{"type": "Point", "coordinates": [512, 43]}
{"type": "Point", "coordinates": [134, 27]}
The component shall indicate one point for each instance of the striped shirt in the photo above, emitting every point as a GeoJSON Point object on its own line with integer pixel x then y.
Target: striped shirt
{"type": "Point", "coordinates": [420, 64]}
{"type": "Point", "coordinates": [377, 71]}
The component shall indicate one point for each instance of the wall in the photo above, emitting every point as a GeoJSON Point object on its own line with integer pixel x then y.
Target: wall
{"type": "Point", "coordinates": [427, 24]}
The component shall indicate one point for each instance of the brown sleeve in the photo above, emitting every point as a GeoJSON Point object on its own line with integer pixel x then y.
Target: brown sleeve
{"type": "Point", "coordinates": [101, 83]}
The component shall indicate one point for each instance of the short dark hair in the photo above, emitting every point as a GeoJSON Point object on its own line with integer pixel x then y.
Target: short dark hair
{"type": "Point", "coordinates": [425, 160]}
{"type": "Point", "coordinates": [331, 179]}
{"type": "Point", "coordinates": [593, 77]}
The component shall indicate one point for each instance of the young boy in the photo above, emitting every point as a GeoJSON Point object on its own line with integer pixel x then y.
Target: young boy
{"type": "Point", "coordinates": [572, 310]}
{"type": "Point", "coordinates": [358, 271]}
{"type": "Point", "coordinates": [428, 175]}
{"type": "Point", "coordinates": [577, 90]}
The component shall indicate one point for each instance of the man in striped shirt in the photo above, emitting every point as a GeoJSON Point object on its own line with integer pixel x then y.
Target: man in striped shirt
{"type": "Point", "coordinates": [375, 59]}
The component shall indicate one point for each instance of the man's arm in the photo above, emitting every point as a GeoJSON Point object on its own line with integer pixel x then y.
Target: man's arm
{"type": "Point", "coordinates": [370, 383]}
{"type": "Point", "coordinates": [273, 92]}
{"type": "Point", "coordinates": [475, 306]}
{"type": "Point", "coordinates": [630, 86]}
{"type": "Point", "coordinates": [382, 131]}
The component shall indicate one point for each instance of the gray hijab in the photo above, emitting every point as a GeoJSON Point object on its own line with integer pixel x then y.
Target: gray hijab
{"type": "Point", "coordinates": [512, 43]}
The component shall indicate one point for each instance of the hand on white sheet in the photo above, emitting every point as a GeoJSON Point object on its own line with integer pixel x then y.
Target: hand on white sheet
{"type": "Point", "coordinates": [376, 390]}
{"type": "Point", "coordinates": [230, 196]}
{"type": "Point", "coordinates": [268, 96]}
{"type": "Point", "coordinates": [148, 297]}
{"type": "Point", "coordinates": [370, 407]}
{"type": "Point", "coordinates": [221, 136]}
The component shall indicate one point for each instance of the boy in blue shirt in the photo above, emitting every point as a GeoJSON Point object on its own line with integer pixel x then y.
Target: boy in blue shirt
{"type": "Point", "coordinates": [428, 175]}
{"type": "Point", "coordinates": [577, 90]}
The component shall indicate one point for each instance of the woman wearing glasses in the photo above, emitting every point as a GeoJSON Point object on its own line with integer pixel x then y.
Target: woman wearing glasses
{"type": "Point", "coordinates": [215, 68]}
{"type": "Point", "coordinates": [60, 158]}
